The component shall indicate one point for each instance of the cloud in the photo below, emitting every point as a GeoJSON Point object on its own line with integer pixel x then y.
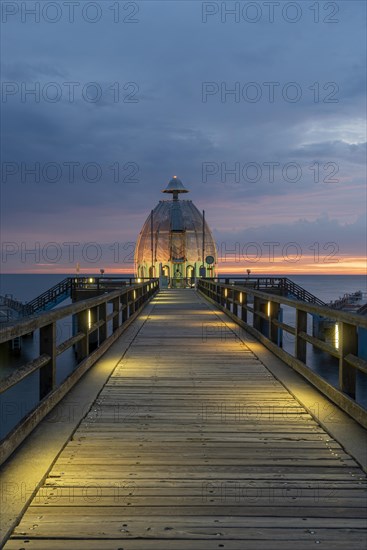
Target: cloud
{"type": "Point", "coordinates": [351, 152]}
{"type": "Point", "coordinates": [168, 55]}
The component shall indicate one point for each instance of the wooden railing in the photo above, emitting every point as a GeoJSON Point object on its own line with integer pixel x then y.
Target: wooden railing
{"type": "Point", "coordinates": [92, 324]}
{"type": "Point", "coordinates": [62, 290]}
{"type": "Point", "coordinates": [266, 325]}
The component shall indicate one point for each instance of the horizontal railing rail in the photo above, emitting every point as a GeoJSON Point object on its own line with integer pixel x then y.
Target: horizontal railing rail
{"type": "Point", "coordinates": [105, 282]}
{"type": "Point", "coordinates": [265, 324]}
{"type": "Point", "coordinates": [92, 322]}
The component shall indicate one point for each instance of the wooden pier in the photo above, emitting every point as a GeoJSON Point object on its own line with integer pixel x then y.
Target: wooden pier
{"type": "Point", "coordinates": [193, 444]}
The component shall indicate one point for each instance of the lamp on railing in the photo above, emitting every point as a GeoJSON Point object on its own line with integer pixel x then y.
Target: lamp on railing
{"type": "Point", "coordinates": [337, 335]}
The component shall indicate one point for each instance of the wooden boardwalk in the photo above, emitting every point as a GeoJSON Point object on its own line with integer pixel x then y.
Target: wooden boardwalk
{"type": "Point", "coordinates": [193, 445]}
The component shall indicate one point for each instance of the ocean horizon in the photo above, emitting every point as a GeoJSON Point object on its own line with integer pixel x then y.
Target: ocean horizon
{"type": "Point", "coordinates": [26, 286]}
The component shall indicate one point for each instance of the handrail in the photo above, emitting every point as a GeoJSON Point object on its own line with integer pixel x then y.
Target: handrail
{"type": "Point", "coordinates": [40, 301]}
{"type": "Point", "coordinates": [281, 283]}
{"type": "Point", "coordinates": [265, 324]}
{"type": "Point", "coordinates": [91, 322]}
{"type": "Point", "coordinates": [322, 310]}
{"type": "Point", "coordinates": [64, 289]}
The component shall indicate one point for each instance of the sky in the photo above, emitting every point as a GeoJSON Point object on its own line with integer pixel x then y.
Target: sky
{"type": "Point", "coordinates": [259, 107]}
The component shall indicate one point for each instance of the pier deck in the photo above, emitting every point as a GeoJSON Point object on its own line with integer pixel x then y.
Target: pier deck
{"type": "Point", "coordinates": [193, 444]}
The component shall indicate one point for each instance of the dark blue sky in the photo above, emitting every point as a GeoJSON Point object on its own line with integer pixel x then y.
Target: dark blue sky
{"type": "Point", "coordinates": [144, 93]}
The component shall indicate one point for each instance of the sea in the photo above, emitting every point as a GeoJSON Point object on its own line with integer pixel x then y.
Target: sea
{"type": "Point", "coordinates": [25, 287]}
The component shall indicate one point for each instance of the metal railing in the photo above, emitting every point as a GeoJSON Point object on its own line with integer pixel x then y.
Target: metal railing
{"type": "Point", "coordinates": [49, 298]}
{"type": "Point", "coordinates": [91, 322]}
{"type": "Point", "coordinates": [12, 304]}
{"type": "Point", "coordinates": [282, 285]}
{"type": "Point", "coordinates": [262, 320]}
{"type": "Point", "coordinates": [62, 290]}
{"type": "Point", "coordinates": [105, 282]}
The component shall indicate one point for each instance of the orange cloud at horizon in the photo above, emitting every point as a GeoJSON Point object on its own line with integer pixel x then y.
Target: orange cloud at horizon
{"type": "Point", "coordinates": [306, 265]}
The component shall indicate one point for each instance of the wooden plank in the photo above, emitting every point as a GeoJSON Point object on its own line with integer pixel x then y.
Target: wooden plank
{"type": "Point", "coordinates": [158, 544]}
{"type": "Point", "coordinates": [193, 444]}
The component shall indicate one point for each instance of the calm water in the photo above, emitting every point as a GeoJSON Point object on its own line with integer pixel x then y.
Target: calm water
{"type": "Point", "coordinates": [325, 287]}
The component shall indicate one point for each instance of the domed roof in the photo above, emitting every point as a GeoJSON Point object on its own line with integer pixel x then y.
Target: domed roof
{"type": "Point", "coordinates": [176, 229]}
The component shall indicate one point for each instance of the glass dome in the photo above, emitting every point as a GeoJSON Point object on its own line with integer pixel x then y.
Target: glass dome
{"type": "Point", "coordinates": [170, 244]}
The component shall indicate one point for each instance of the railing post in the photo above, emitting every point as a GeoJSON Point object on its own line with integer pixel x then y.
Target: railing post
{"type": "Point", "coordinates": [132, 294]}
{"type": "Point", "coordinates": [228, 292]}
{"type": "Point", "coordinates": [232, 298]}
{"type": "Point", "coordinates": [93, 336]}
{"type": "Point", "coordinates": [83, 319]}
{"type": "Point", "coordinates": [125, 306]}
{"type": "Point", "coordinates": [116, 311]}
{"type": "Point", "coordinates": [243, 303]}
{"type": "Point", "coordinates": [348, 343]}
{"type": "Point", "coordinates": [102, 316]}
{"type": "Point", "coordinates": [222, 296]}
{"type": "Point", "coordinates": [256, 317]}
{"type": "Point", "coordinates": [236, 299]}
{"type": "Point", "coordinates": [47, 379]}
{"type": "Point", "coordinates": [299, 343]}
{"type": "Point", "coordinates": [274, 314]}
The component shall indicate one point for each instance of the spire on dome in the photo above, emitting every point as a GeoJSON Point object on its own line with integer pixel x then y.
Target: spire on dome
{"type": "Point", "coordinates": [175, 187]}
